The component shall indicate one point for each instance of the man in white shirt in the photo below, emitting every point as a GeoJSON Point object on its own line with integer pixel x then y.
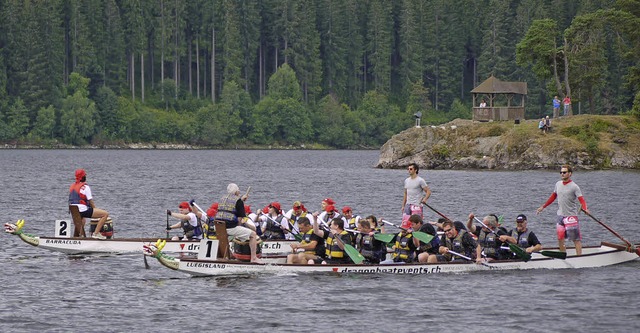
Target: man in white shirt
{"type": "Point", "coordinates": [413, 199]}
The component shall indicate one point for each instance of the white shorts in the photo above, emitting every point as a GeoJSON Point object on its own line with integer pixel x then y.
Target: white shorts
{"type": "Point", "coordinates": [241, 233]}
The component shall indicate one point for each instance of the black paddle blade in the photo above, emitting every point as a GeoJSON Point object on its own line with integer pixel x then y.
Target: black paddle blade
{"type": "Point", "coordinates": [519, 252]}
{"type": "Point", "coordinates": [554, 254]}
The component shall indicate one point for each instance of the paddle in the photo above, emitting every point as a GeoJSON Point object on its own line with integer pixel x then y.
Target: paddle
{"type": "Point", "coordinates": [546, 253]}
{"type": "Point", "coordinates": [297, 235]}
{"type": "Point", "coordinates": [629, 245]}
{"type": "Point", "coordinates": [421, 236]}
{"type": "Point", "coordinates": [385, 238]}
{"type": "Point", "coordinates": [467, 258]}
{"type": "Point", "coordinates": [351, 251]}
{"type": "Point", "coordinates": [437, 212]}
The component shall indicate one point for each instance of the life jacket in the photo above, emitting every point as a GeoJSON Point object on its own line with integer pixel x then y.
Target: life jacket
{"type": "Point", "coordinates": [294, 219]}
{"type": "Point", "coordinates": [456, 245]}
{"type": "Point", "coordinates": [353, 223]}
{"type": "Point", "coordinates": [333, 251]}
{"type": "Point", "coordinates": [227, 210]}
{"type": "Point", "coordinates": [369, 247]}
{"type": "Point", "coordinates": [187, 227]}
{"type": "Point", "coordinates": [490, 244]}
{"type": "Point", "coordinates": [523, 239]}
{"type": "Point", "coordinates": [75, 196]}
{"type": "Point", "coordinates": [272, 229]}
{"type": "Point", "coordinates": [404, 251]}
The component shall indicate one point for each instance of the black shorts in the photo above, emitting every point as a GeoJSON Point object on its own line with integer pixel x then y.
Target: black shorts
{"type": "Point", "coordinates": [88, 212]}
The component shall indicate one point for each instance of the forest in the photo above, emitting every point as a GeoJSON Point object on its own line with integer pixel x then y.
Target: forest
{"type": "Point", "coordinates": [301, 73]}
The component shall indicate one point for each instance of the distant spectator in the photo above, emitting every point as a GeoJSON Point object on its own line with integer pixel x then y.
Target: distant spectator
{"type": "Point", "coordinates": [556, 107]}
{"type": "Point", "coordinates": [547, 125]}
{"type": "Point", "coordinates": [541, 126]}
{"type": "Point", "coordinates": [483, 104]}
{"type": "Point", "coordinates": [567, 105]}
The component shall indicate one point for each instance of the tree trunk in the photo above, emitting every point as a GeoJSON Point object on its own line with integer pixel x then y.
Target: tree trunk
{"type": "Point", "coordinates": [133, 77]}
{"type": "Point", "coordinates": [197, 66]}
{"type": "Point", "coordinates": [142, 76]}
{"type": "Point", "coordinates": [566, 68]}
{"type": "Point", "coordinates": [189, 71]}
{"type": "Point", "coordinates": [213, 65]}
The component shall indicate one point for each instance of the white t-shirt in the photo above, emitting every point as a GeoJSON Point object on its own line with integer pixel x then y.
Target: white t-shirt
{"type": "Point", "coordinates": [414, 189]}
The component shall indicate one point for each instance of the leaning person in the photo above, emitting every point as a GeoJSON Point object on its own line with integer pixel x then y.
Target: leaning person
{"type": "Point", "coordinates": [335, 240]}
{"type": "Point", "coordinates": [311, 244]}
{"type": "Point", "coordinates": [80, 195]}
{"type": "Point", "coordinates": [230, 213]}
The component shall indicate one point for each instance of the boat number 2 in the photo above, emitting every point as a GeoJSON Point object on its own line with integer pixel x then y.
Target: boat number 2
{"type": "Point", "coordinates": [63, 228]}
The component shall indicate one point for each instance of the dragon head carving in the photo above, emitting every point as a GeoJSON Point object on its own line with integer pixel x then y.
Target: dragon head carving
{"type": "Point", "coordinates": [14, 229]}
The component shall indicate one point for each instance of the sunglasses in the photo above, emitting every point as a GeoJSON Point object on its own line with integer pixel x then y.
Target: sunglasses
{"type": "Point", "coordinates": [448, 230]}
{"type": "Point", "coordinates": [563, 172]}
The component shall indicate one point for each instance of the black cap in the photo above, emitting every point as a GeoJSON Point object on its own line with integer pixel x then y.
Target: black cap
{"type": "Point", "coordinates": [521, 218]}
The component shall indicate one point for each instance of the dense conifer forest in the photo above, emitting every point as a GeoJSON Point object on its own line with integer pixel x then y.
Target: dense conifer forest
{"type": "Point", "coordinates": [325, 73]}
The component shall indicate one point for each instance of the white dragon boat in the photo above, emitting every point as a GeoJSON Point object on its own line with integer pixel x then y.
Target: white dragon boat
{"type": "Point", "coordinates": [207, 265]}
{"type": "Point", "coordinates": [83, 245]}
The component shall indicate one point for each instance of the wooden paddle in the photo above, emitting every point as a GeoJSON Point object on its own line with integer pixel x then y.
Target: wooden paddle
{"type": "Point", "coordinates": [437, 212]}
{"type": "Point", "coordinates": [629, 245]}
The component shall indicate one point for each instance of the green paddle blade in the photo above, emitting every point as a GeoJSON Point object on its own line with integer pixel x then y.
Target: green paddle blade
{"type": "Point", "coordinates": [422, 236]}
{"type": "Point", "coordinates": [554, 254]}
{"type": "Point", "coordinates": [298, 237]}
{"type": "Point", "coordinates": [353, 254]}
{"type": "Point", "coordinates": [385, 238]}
{"type": "Point", "coordinates": [520, 253]}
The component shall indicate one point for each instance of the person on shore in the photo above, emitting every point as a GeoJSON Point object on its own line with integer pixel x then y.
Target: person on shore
{"type": "Point", "coordinates": [488, 236]}
{"type": "Point", "coordinates": [311, 244]}
{"type": "Point", "coordinates": [230, 213]}
{"type": "Point", "coordinates": [547, 124]}
{"type": "Point", "coordinates": [569, 196]}
{"type": "Point", "coordinates": [413, 199]}
{"type": "Point", "coordinates": [459, 241]}
{"type": "Point", "coordinates": [371, 249]}
{"type": "Point", "coordinates": [522, 236]}
{"type": "Point", "coordinates": [80, 195]}
{"type": "Point", "coordinates": [567, 105]}
{"type": "Point", "coordinates": [556, 107]}
{"type": "Point", "coordinates": [335, 240]}
{"type": "Point", "coordinates": [541, 126]}
{"type": "Point", "coordinates": [189, 222]}
{"type": "Point", "coordinates": [424, 250]}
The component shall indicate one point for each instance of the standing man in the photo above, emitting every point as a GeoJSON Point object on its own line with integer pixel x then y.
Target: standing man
{"type": "Point", "coordinates": [231, 213]}
{"type": "Point", "coordinates": [556, 106]}
{"type": "Point", "coordinates": [413, 199]}
{"type": "Point", "coordinates": [567, 105]}
{"type": "Point", "coordinates": [568, 194]}
{"type": "Point", "coordinates": [80, 195]}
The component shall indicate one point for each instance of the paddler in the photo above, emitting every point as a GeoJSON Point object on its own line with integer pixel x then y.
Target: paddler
{"type": "Point", "coordinates": [80, 195]}
{"type": "Point", "coordinates": [522, 236]}
{"type": "Point", "coordinates": [311, 244]}
{"type": "Point", "coordinates": [189, 222]}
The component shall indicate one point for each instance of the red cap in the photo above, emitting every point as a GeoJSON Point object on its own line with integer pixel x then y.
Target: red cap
{"type": "Point", "coordinates": [79, 174]}
{"type": "Point", "coordinates": [346, 209]}
{"type": "Point", "coordinates": [213, 210]}
{"type": "Point", "coordinates": [405, 224]}
{"type": "Point", "coordinates": [275, 205]}
{"type": "Point", "coordinates": [330, 208]}
{"type": "Point", "coordinates": [247, 209]}
{"type": "Point", "coordinates": [265, 210]}
{"type": "Point", "coordinates": [329, 201]}
{"type": "Point", "coordinates": [184, 205]}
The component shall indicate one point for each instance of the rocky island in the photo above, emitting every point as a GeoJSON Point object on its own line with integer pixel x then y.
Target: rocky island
{"type": "Point", "coordinates": [584, 141]}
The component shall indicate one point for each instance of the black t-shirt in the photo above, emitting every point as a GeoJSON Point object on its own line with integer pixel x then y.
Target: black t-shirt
{"type": "Point", "coordinates": [532, 239]}
{"type": "Point", "coordinates": [240, 213]}
{"type": "Point", "coordinates": [320, 249]}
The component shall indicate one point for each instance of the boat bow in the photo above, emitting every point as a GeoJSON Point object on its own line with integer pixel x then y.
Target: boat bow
{"type": "Point", "coordinates": [16, 229]}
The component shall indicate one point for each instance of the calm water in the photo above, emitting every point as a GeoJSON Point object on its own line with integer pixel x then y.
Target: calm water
{"type": "Point", "coordinates": [45, 291]}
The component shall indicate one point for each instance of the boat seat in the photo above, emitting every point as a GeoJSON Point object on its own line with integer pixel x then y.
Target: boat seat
{"type": "Point", "coordinates": [78, 222]}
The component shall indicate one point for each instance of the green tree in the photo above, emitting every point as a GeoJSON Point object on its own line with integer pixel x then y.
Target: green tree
{"type": "Point", "coordinates": [44, 127]}
{"type": "Point", "coordinates": [17, 119]}
{"type": "Point", "coordinates": [379, 44]}
{"type": "Point", "coordinates": [78, 112]}
{"type": "Point", "coordinates": [305, 50]}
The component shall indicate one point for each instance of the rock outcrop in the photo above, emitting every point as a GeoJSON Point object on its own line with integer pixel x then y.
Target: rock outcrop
{"type": "Point", "coordinates": [587, 142]}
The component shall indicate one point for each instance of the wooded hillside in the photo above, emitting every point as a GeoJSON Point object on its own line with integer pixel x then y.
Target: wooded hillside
{"type": "Point", "coordinates": [338, 73]}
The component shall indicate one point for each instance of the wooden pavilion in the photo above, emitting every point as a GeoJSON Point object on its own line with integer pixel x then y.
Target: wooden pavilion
{"type": "Point", "coordinates": [495, 94]}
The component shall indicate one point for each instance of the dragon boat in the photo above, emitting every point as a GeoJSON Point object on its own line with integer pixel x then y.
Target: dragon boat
{"type": "Point", "coordinates": [84, 245]}
{"type": "Point", "coordinates": [208, 265]}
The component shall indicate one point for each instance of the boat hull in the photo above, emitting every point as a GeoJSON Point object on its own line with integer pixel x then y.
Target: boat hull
{"type": "Point", "coordinates": [596, 256]}
{"type": "Point", "coordinates": [134, 245]}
